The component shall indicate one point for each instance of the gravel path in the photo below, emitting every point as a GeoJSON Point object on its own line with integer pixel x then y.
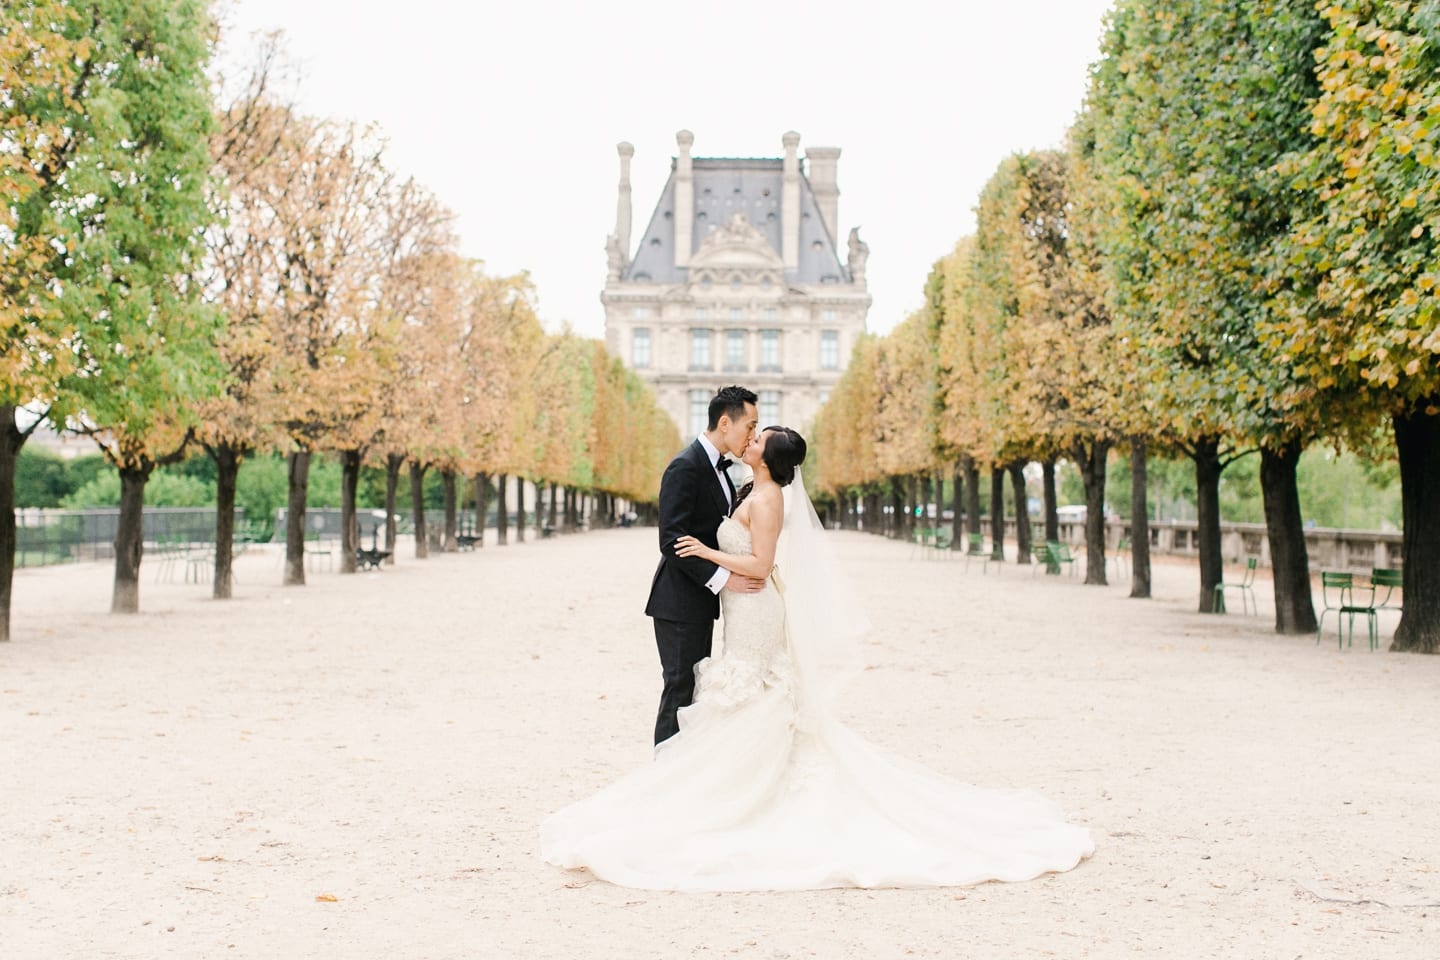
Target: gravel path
{"type": "Point", "coordinates": [357, 768]}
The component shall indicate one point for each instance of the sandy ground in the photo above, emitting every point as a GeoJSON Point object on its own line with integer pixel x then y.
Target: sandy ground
{"type": "Point", "coordinates": [357, 768]}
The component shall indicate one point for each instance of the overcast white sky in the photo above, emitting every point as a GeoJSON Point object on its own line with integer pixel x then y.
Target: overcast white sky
{"type": "Point", "coordinates": [510, 113]}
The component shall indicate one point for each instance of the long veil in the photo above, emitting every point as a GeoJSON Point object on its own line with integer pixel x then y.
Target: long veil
{"type": "Point", "coordinates": [823, 620]}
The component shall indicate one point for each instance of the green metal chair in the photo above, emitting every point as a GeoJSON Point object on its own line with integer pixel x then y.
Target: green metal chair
{"type": "Point", "coordinates": [1391, 580]}
{"type": "Point", "coordinates": [1246, 587]}
{"type": "Point", "coordinates": [1043, 558]}
{"type": "Point", "coordinates": [1343, 585]}
{"type": "Point", "coordinates": [1060, 555]}
{"type": "Point", "coordinates": [1121, 556]}
{"type": "Point", "coordinates": [975, 550]}
{"type": "Point", "coordinates": [168, 554]}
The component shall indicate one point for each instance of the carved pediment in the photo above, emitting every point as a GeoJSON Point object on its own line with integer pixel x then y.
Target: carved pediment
{"type": "Point", "coordinates": [736, 244]}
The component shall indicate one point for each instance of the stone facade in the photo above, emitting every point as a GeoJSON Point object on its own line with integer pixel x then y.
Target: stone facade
{"type": "Point", "coordinates": [737, 279]}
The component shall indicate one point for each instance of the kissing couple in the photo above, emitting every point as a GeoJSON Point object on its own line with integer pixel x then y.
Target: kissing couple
{"type": "Point", "coordinates": [755, 783]}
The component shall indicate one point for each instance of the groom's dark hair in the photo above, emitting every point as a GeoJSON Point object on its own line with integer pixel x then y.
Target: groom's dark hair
{"type": "Point", "coordinates": [730, 401]}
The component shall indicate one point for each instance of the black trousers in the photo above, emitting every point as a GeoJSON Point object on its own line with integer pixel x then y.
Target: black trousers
{"type": "Point", "coordinates": [681, 645]}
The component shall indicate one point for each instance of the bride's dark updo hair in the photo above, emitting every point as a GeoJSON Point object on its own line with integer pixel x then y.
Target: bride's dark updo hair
{"type": "Point", "coordinates": [784, 452]}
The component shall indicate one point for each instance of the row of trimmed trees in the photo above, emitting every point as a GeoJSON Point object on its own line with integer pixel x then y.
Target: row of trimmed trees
{"type": "Point", "coordinates": [1238, 252]}
{"type": "Point", "coordinates": [187, 259]}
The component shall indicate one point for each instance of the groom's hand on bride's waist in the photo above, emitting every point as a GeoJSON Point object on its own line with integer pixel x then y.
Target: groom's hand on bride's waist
{"type": "Point", "coordinates": [740, 584]}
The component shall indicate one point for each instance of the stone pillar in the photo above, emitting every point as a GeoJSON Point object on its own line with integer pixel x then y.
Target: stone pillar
{"type": "Point", "coordinates": [790, 204]}
{"type": "Point", "coordinates": [820, 166]}
{"type": "Point", "coordinates": [622, 206]}
{"type": "Point", "coordinates": [684, 198]}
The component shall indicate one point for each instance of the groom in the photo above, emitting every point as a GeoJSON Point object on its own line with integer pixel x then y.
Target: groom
{"type": "Point", "coordinates": [695, 495]}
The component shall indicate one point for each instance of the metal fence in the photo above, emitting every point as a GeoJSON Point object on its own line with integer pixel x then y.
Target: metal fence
{"type": "Point", "coordinates": [71, 536]}
{"type": "Point", "coordinates": [323, 523]}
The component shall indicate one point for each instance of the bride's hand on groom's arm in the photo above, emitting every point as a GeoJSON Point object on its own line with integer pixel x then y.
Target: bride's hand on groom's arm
{"type": "Point", "coordinates": [688, 546]}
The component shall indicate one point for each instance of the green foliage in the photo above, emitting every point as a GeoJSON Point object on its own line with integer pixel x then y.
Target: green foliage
{"type": "Point", "coordinates": [1193, 109]}
{"type": "Point", "coordinates": [163, 490]}
{"type": "Point", "coordinates": [130, 211]}
{"type": "Point", "coordinates": [1336, 490]}
{"type": "Point", "coordinates": [198, 465]}
{"type": "Point", "coordinates": [43, 479]}
{"type": "Point", "coordinates": [263, 484]}
{"type": "Point", "coordinates": [1362, 333]}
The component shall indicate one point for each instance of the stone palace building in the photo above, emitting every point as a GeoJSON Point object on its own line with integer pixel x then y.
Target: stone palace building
{"type": "Point", "coordinates": [737, 279]}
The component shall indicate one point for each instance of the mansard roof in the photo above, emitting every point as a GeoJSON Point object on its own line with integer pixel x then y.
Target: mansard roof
{"type": "Point", "coordinates": [725, 186]}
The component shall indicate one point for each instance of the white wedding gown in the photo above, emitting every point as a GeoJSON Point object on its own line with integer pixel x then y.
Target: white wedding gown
{"type": "Point", "coordinates": [749, 795]}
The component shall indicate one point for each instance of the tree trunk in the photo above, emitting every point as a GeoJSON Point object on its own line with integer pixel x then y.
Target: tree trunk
{"type": "Point", "coordinates": [417, 507]}
{"type": "Point", "coordinates": [1052, 515]}
{"type": "Point", "coordinates": [554, 507]}
{"type": "Point", "coordinates": [1022, 512]}
{"type": "Point", "coordinates": [997, 513]}
{"type": "Point", "coordinates": [393, 464]}
{"type": "Point", "coordinates": [520, 509]}
{"type": "Point", "coordinates": [502, 511]}
{"type": "Point", "coordinates": [973, 523]}
{"type": "Point", "coordinates": [452, 511]}
{"type": "Point", "coordinates": [227, 470]}
{"type": "Point", "coordinates": [11, 440]}
{"type": "Point", "coordinates": [1139, 522]}
{"type": "Point", "coordinates": [1090, 457]}
{"type": "Point", "coordinates": [922, 515]}
{"type": "Point", "coordinates": [1289, 560]}
{"type": "Point", "coordinates": [1417, 441]}
{"type": "Point", "coordinates": [482, 507]}
{"type": "Point", "coordinates": [957, 510]}
{"type": "Point", "coordinates": [897, 507]}
{"type": "Point", "coordinates": [295, 518]}
{"type": "Point", "coordinates": [130, 538]}
{"type": "Point", "coordinates": [1208, 467]}
{"type": "Point", "coordinates": [349, 525]}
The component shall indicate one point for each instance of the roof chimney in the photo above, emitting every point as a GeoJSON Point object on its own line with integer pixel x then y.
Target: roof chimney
{"type": "Point", "coordinates": [684, 199]}
{"type": "Point", "coordinates": [790, 203]}
{"type": "Point", "coordinates": [622, 206]}
{"type": "Point", "coordinates": [820, 168]}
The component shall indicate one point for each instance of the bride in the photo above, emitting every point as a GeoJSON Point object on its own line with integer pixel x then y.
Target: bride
{"type": "Point", "coordinates": [763, 788]}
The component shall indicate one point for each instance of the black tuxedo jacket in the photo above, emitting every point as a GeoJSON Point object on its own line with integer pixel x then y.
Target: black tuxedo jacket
{"type": "Point", "coordinates": [691, 502]}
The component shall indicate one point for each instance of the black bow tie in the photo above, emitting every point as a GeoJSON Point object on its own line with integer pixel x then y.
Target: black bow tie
{"type": "Point", "coordinates": [723, 463]}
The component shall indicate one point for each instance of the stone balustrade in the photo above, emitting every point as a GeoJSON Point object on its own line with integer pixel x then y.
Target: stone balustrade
{"type": "Point", "coordinates": [1328, 548]}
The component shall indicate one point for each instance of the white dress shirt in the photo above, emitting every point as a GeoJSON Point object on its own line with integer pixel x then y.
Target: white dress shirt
{"type": "Point", "coordinates": [717, 583]}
